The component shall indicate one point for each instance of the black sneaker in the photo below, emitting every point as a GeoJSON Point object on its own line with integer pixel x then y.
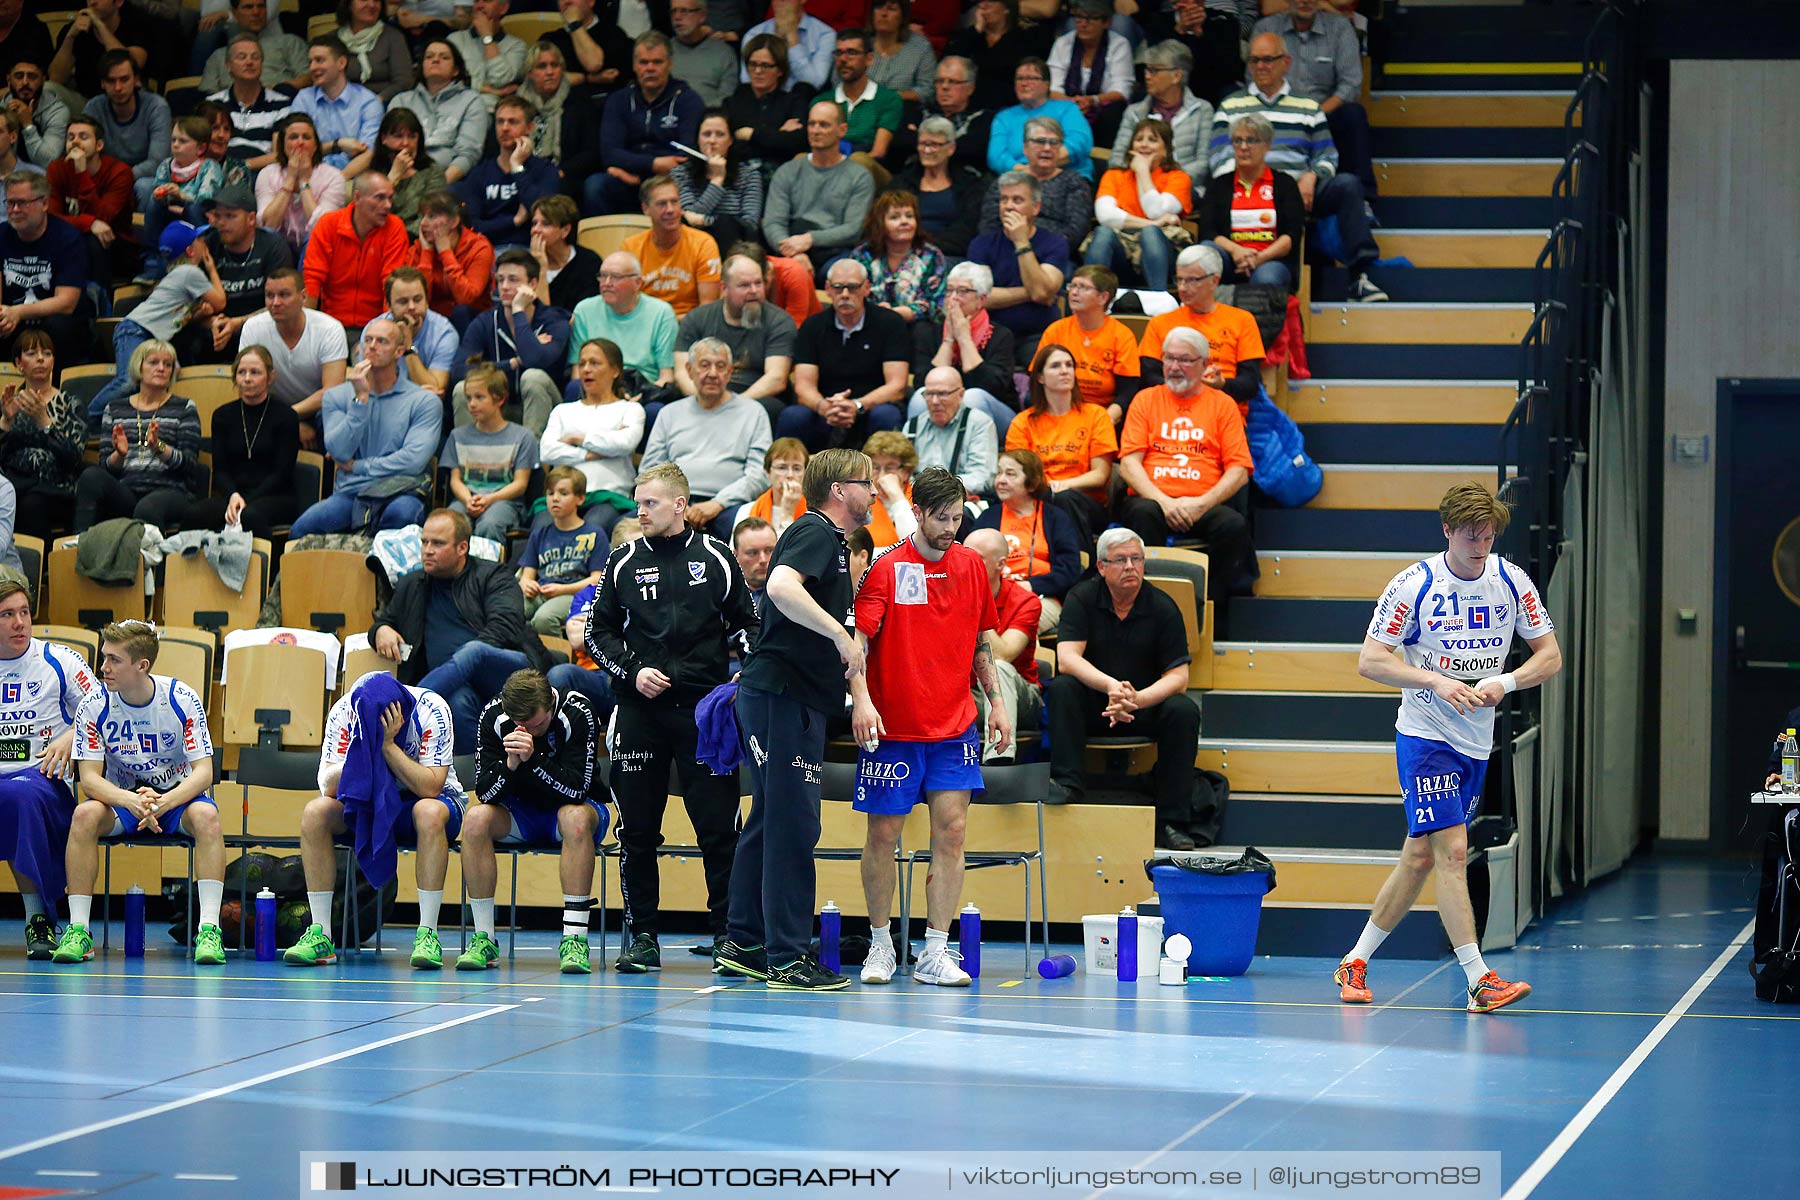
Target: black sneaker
{"type": "Point", "coordinates": [750, 962]}
{"type": "Point", "coordinates": [1172, 838]}
{"type": "Point", "coordinates": [708, 949]}
{"type": "Point", "coordinates": [41, 935]}
{"type": "Point", "coordinates": [641, 957]}
{"type": "Point", "coordinates": [806, 975]}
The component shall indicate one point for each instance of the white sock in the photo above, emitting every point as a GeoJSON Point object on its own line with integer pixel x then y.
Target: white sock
{"type": "Point", "coordinates": [877, 932]}
{"type": "Point", "coordinates": [429, 904]}
{"type": "Point", "coordinates": [34, 904]}
{"type": "Point", "coordinates": [936, 940]}
{"type": "Point", "coordinates": [212, 891]}
{"type": "Point", "coordinates": [575, 915]}
{"type": "Point", "coordinates": [80, 907]}
{"type": "Point", "coordinates": [1370, 941]}
{"type": "Point", "coordinates": [484, 914]}
{"type": "Point", "coordinates": [319, 904]}
{"type": "Point", "coordinates": [1470, 958]}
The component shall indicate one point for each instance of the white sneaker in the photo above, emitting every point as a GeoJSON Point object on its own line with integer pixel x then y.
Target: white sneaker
{"type": "Point", "coordinates": [940, 969]}
{"type": "Point", "coordinates": [879, 966]}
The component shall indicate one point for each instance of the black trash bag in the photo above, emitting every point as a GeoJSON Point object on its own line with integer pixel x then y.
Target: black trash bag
{"type": "Point", "coordinates": [1250, 860]}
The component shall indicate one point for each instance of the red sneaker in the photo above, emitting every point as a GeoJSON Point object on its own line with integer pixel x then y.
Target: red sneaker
{"type": "Point", "coordinates": [1352, 980]}
{"type": "Point", "coordinates": [1491, 992]}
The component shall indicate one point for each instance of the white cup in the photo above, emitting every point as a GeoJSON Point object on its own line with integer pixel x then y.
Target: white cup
{"type": "Point", "coordinates": [1174, 971]}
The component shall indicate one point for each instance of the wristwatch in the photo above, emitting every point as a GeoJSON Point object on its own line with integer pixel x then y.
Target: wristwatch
{"type": "Point", "coordinates": [488, 40]}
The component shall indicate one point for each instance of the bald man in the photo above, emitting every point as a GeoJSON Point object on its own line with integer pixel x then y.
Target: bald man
{"type": "Point", "coordinates": [1013, 640]}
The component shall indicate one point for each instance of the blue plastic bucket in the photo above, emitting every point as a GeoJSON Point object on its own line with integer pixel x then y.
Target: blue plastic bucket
{"type": "Point", "coordinates": [1219, 914]}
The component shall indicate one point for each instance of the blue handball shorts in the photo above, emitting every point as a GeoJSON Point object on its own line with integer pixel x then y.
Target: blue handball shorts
{"type": "Point", "coordinates": [1441, 786]}
{"type": "Point", "coordinates": [899, 774]}
{"type": "Point", "coordinates": [534, 826]}
{"type": "Point", "coordinates": [169, 821]}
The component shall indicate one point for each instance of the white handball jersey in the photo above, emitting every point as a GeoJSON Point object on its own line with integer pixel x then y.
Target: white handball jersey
{"type": "Point", "coordinates": [427, 738]}
{"type": "Point", "coordinates": [40, 693]}
{"type": "Point", "coordinates": [150, 746]}
{"type": "Point", "coordinates": [1461, 628]}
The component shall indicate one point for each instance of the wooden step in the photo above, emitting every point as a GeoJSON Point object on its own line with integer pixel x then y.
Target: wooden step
{"type": "Point", "coordinates": [1328, 574]}
{"type": "Point", "coordinates": [1468, 110]}
{"type": "Point", "coordinates": [1399, 402]}
{"type": "Point", "coordinates": [1419, 324]}
{"type": "Point", "coordinates": [1394, 488]}
{"type": "Point", "coordinates": [1329, 877]}
{"type": "Point", "coordinates": [1348, 768]}
{"type": "Point", "coordinates": [1290, 667]}
{"type": "Point", "coordinates": [1531, 177]}
{"type": "Point", "coordinates": [1507, 249]}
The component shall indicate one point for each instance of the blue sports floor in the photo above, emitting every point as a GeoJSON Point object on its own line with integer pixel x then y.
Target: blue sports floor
{"type": "Point", "coordinates": [148, 1078]}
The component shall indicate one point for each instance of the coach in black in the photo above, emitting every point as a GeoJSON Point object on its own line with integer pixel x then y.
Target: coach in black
{"type": "Point", "coordinates": [670, 610]}
{"type": "Point", "coordinates": [787, 691]}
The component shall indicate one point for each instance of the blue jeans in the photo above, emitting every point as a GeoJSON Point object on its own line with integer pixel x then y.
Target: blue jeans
{"type": "Point", "coordinates": [1275, 273]}
{"type": "Point", "coordinates": [344, 513]}
{"type": "Point", "coordinates": [473, 676]}
{"type": "Point", "coordinates": [567, 677]}
{"type": "Point", "coordinates": [799, 421]}
{"type": "Point", "coordinates": [501, 517]}
{"type": "Point", "coordinates": [126, 339]}
{"type": "Point", "coordinates": [1341, 196]}
{"type": "Point", "coordinates": [977, 398]}
{"type": "Point", "coordinates": [1106, 250]}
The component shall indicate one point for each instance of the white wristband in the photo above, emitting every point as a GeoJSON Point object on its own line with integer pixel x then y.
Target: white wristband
{"type": "Point", "coordinates": [1508, 682]}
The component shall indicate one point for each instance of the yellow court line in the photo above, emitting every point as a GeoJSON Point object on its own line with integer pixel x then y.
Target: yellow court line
{"type": "Point", "coordinates": [890, 997]}
{"type": "Point", "coordinates": [1506, 68]}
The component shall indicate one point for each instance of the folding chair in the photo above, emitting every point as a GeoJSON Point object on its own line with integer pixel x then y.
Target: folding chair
{"type": "Point", "coordinates": [187, 655]}
{"type": "Point", "coordinates": [332, 591]}
{"type": "Point", "coordinates": [193, 593]}
{"type": "Point", "coordinates": [31, 557]}
{"type": "Point", "coordinates": [84, 642]}
{"type": "Point", "coordinates": [77, 600]}
{"type": "Point", "coordinates": [1007, 787]}
{"type": "Point", "coordinates": [274, 697]}
{"type": "Point", "coordinates": [603, 235]}
{"type": "Point", "coordinates": [273, 787]}
{"type": "Point", "coordinates": [159, 841]}
{"type": "Point", "coordinates": [465, 773]}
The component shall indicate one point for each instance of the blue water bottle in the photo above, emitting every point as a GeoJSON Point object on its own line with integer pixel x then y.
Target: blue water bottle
{"type": "Point", "coordinates": [1128, 946]}
{"type": "Point", "coordinates": [831, 928]}
{"type": "Point", "coordinates": [134, 922]}
{"type": "Point", "coordinates": [1057, 966]}
{"type": "Point", "coordinates": [265, 926]}
{"type": "Point", "coordinates": [969, 933]}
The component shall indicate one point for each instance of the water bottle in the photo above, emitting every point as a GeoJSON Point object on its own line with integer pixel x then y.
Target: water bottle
{"type": "Point", "coordinates": [134, 922]}
{"type": "Point", "coordinates": [1790, 764]}
{"type": "Point", "coordinates": [265, 926]}
{"type": "Point", "coordinates": [831, 926]}
{"type": "Point", "coordinates": [1057, 966]}
{"type": "Point", "coordinates": [1128, 945]}
{"type": "Point", "coordinates": [969, 933]}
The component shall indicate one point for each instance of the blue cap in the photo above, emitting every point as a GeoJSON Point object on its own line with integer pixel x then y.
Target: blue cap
{"type": "Point", "coordinates": [177, 236]}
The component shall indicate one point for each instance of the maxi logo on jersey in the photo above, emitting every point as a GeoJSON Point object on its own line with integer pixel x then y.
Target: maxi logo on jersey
{"type": "Point", "coordinates": [1397, 624]}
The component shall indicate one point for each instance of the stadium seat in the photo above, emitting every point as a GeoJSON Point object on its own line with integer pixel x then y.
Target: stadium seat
{"type": "Point", "coordinates": [77, 600]}
{"type": "Point", "coordinates": [530, 27]}
{"type": "Point", "coordinates": [31, 557]}
{"type": "Point", "coordinates": [193, 593]}
{"type": "Point", "coordinates": [1166, 565]}
{"type": "Point", "coordinates": [358, 663]}
{"type": "Point", "coordinates": [309, 483]}
{"type": "Point", "coordinates": [84, 642]}
{"type": "Point", "coordinates": [188, 655]}
{"type": "Point", "coordinates": [83, 383]}
{"type": "Point", "coordinates": [603, 235]}
{"type": "Point", "coordinates": [210, 388]}
{"type": "Point", "coordinates": [285, 684]}
{"type": "Point", "coordinates": [183, 94]}
{"type": "Point", "coordinates": [328, 590]}
{"type": "Point", "coordinates": [1000, 839]}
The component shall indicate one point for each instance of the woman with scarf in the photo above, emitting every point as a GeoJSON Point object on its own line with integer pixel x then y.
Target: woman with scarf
{"type": "Point", "coordinates": [546, 85]}
{"type": "Point", "coordinates": [1090, 66]}
{"type": "Point", "coordinates": [906, 272]}
{"type": "Point", "coordinates": [970, 340]}
{"type": "Point", "coordinates": [380, 59]}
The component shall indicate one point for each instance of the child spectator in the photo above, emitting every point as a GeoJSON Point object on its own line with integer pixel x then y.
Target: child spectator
{"type": "Point", "coordinates": [163, 313]}
{"type": "Point", "coordinates": [562, 557]}
{"type": "Point", "coordinates": [490, 460]}
{"type": "Point", "coordinates": [184, 182]}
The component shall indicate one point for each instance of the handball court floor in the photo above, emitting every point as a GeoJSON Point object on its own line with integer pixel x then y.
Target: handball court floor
{"type": "Point", "coordinates": [1642, 1063]}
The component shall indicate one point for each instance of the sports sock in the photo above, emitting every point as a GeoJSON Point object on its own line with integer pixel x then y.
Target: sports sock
{"type": "Point", "coordinates": [936, 940]}
{"type": "Point", "coordinates": [80, 907]}
{"type": "Point", "coordinates": [319, 905]}
{"type": "Point", "coordinates": [429, 904]}
{"type": "Point", "coordinates": [1470, 958]}
{"type": "Point", "coordinates": [877, 932]}
{"type": "Point", "coordinates": [212, 891]}
{"type": "Point", "coordinates": [484, 915]}
{"type": "Point", "coordinates": [34, 904]}
{"type": "Point", "coordinates": [1370, 941]}
{"type": "Point", "coordinates": [575, 915]}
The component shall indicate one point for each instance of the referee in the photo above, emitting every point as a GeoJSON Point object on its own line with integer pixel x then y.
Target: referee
{"type": "Point", "coordinates": [786, 693]}
{"type": "Point", "coordinates": [670, 608]}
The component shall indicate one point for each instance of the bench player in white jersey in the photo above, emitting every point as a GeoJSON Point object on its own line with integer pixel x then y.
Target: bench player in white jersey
{"type": "Point", "coordinates": [41, 686]}
{"type": "Point", "coordinates": [1453, 617]}
{"type": "Point", "coordinates": [386, 777]}
{"type": "Point", "coordinates": [146, 762]}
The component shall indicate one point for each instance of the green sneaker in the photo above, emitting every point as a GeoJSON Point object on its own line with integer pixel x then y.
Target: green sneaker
{"type": "Point", "coordinates": [76, 946]}
{"type": "Point", "coordinates": [428, 954]}
{"type": "Point", "coordinates": [574, 955]}
{"type": "Point", "coordinates": [483, 952]}
{"type": "Point", "coordinates": [642, 956]}
{"type": "Point", "coordinates": [313, 949]}
{"type": "Point", "coordinates": [209, 947]}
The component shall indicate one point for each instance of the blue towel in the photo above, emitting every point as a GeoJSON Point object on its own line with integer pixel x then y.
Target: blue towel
{"type": "Point", "coordinates": [715, 718]}
{"type": "Point", "coordinates": [372, 800]}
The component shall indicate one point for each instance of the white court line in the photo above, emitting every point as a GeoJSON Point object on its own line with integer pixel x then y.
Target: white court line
{"type": "Point", "coordinates": [1190, 1132]}
{"type": "Point", "coordinates": [207, 1178]}
{"type": "Point", "coordinates": [1525, 1184]}
{"type": "Point", "coordinates": [268, 1076]}
{"type": "Point", "coordinates": [69, 1174]}
{"type": "Point", "coordinates": [415, 1001]}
